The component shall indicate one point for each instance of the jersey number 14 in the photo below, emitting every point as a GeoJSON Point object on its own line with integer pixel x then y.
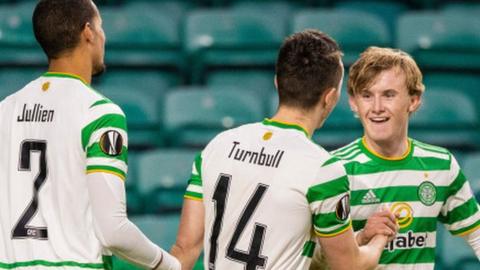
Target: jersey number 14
{"type": "Point", "coordinates": [250, 258]}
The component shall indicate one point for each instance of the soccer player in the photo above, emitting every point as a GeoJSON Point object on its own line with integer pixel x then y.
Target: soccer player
{"type": "Point", "coordinates": [260, 193]}
{"type": "Point", "coordinates": [64, 157]}
{"type": "Point", "coordinates": [420, 183]}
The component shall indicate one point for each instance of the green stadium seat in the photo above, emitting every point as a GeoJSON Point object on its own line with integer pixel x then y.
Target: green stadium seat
{"type": "Point", "coordinates": [470, 169]}
{"type": "Point", "coordinates": [462, 8]}
{"type": "Point", "coordinates": [148, 81]}
{"type": "Point", "coordinates": [454, 252]}
{"type": "Point", "coordinates": [13, 79]}
{"type": "Point", "coordinates": [353, 30]}
{"type": "Point", "coordinates": [467, 83]}
{"type": "Point", "coordinates": [163, 176]}
{"type": "Point", "coordinates": [134, 198]}
{"type": "Point", "coordinates": [441, 41]}
{"type": "Point", "coordinates": [279, 8]}
{"type": "Point", "coordinates": [246, 81]}
{"type": "Point", "coordinates": [231, 38]}
{"type": "Point", "coordinates": [138, 35]}
{"type": "Point", "coordinates": [387, 10]}
{"type": "Point", "coordinates": [142, 111]}
{"type": "Point", "coordinates": [17, 41]}
{"type": "Point", "coordinates": [440, 122]}
{"type": "Point", "coordinates": [261, 82]}
{"type": "Point", "coordinates": [162, 230]}
{"type": "Point", "coordinates": [194, 117]}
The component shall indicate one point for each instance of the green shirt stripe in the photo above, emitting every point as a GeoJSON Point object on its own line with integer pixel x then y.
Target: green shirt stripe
{"type": "Point", "coordinates": [349, 152]}
{"type": "Point", "coordinates": [308, 249]}
{"type": "Point", "coordinates": [270, 122]}
{"type": "Point", "coordinates": [330, 161]}
{"type": "Point", "coordinates": [466, 229]}
{"type": "Point", "coordinates": [396, 193]}
{"type": "Point", "coordinates": [194, 194]}
{"type": "Point", "coordinates": [333, 232]}
{"type": "Point", "coordinates": [107, 120]}
{"type": "Point", "coordinates": [101, 102]}
{"type": "Point", "coordinates": [457, 184]}
{"type": "Point", "coordinates": [326, 221]}
{"type": "Point", "coordinates": [408, 256]}
{"type": "Point", "coordinates": [328, 189]}
{"type": "Point", "coordinates": [51, 264]}
{"type": "Point", "coordinates": [418, 164]}
{"type": "Point", "coordinates": [460, 212]}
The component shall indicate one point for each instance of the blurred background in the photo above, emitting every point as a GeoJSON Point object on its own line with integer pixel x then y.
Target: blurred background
{"type": "Point", "coordinates": [184, 70]}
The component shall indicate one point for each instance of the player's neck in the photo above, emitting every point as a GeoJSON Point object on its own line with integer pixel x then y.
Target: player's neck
{"type": "Point", "coordinates": [73, 63]}
{"type": "Point", "coordinates": [388, 149]}
{"type": "Point", "coordinates": [297, 117]}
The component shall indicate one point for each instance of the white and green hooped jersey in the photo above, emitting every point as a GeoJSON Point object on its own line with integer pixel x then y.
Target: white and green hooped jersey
{"type": "Point", "coordinates": [424, 186]}
{"type": "Point", "coordinates": [267, 190]}
{"type": "Point", "coordinates": [53, 133]}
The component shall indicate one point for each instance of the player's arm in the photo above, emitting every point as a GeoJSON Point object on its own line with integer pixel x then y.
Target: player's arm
{"type": "Point", "coordinates": [190, 234]}
{"type": "Point", "coordinates": [473, 239]}
{"type": "Point", "coordinates": [330, 205]}
{"type": "Point", "coordinates": [460, 212]}
{"type": "Point", "coordinates": [116, 232]}
{"type": "Point", "coordinates": [343, 253]}
{"type": "Point", "coordinates": [380, 223]}
{"type": "Point", "coordinates": [105, 142]}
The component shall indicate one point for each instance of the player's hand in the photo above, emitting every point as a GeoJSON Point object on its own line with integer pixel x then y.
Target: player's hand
{"type": "Point", "coordinates": [382, 222]}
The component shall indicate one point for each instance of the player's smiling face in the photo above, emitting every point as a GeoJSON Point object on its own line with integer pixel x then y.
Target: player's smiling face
{"type": "Point", "coordinates": [384, 107]}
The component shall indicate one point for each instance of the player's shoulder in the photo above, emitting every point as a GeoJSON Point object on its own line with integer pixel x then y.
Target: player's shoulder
{"type": "Point", "coordinates": [348, 152]}
{"type": "Point", "coordinates": [425, 150]}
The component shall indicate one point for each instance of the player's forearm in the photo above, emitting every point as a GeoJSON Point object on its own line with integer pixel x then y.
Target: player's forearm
{"type": "Point", "coordinates": [115, 231]}
{"type": "Point", "coordinates": [473, 239]}
{"type": "Point", "coordinates": [369, 254]}
{"type": "Point", "coordinates": [187, 255]}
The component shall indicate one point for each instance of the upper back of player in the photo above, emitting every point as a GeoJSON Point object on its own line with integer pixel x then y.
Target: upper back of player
{"type": "Point", "coordinates": [51, 136]}
{"type": "Point", "coordinates": [255, 183]}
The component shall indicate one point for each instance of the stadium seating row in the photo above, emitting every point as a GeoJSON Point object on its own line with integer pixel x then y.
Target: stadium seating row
{"type": "Point", "coordinates": [427, 4]}
{"type": "Point", "coordinates": [164, 34]}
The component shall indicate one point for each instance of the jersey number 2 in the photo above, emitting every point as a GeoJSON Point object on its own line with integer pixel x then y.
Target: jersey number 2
{"type": "Point", "coordinates": [22, 229]}
{"type": "Point", "coordinates": [251, 258]}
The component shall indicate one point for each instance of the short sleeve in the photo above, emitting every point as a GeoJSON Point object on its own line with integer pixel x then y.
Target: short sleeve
{"type": "Point", "coordinates": [194, 188]}
{"type": "Point", "coordinates": [460, 211]}
{"type": "Point", "coordinates": [329, 200]}
{"type": "Point", "coordinates": [105, 140]}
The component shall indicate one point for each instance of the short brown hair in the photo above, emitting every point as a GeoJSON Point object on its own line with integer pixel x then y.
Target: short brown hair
{"type": "Point", "coordinates": [374, 60]}
{"type": "Point", "coordinates": [309, 62]}
{"type": "Point", "coordinates": [57, 24]}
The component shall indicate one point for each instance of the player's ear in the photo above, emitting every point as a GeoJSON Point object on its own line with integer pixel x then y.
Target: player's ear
{"type": "Point", "coordinates": [330, 97]}
{"type": "Point", "coordinates": [415, 102]}
{"type": "Point", "coordinates": [88, 32]}
{"type": "Point", "coordinates": [353, 104]}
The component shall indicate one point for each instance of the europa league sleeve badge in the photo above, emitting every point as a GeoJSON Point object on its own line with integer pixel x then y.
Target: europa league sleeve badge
{"type": "Point", "coordinates": [111, 143]}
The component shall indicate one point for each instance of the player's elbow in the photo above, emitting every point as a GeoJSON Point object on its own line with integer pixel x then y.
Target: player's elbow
{"type": "Point", "coordinates": [110, 236]}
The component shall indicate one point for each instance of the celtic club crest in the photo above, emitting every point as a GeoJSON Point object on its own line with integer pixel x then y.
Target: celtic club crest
{"type": "Point", "coordinates": [427, 193]}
